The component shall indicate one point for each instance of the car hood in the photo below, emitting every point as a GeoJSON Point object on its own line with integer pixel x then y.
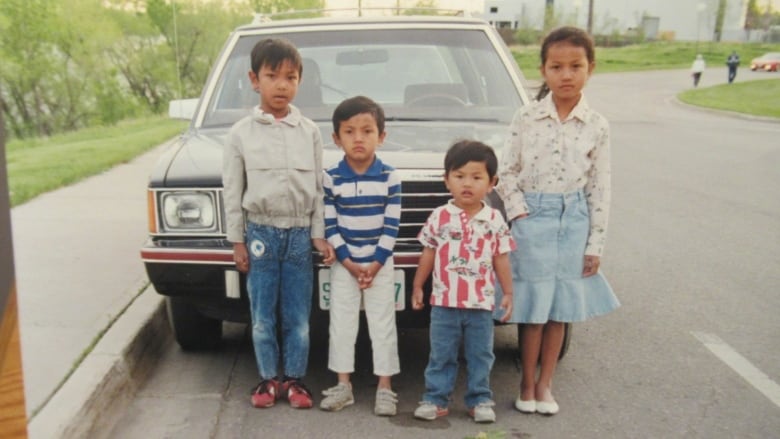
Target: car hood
{"type": "Point", "coordinates": [195, 159]}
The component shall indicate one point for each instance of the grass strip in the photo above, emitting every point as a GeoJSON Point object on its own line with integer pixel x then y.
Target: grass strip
{"type": "Point", "coordinates": [758, 98]}
{"type": "Point", "coordinates": [40, 165]}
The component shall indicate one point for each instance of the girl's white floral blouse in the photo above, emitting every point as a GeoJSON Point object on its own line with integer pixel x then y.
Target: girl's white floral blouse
{"type": "Point", "coordinates": [545, 154]}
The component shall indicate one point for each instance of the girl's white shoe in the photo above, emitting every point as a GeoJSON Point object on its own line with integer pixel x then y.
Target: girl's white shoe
{"type": "Point", "coordinates": [525, 406]}
{"type": "Point", "coordinates": [546, 408]}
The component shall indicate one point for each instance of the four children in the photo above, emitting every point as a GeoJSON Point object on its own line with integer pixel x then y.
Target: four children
{"type": "Point", "coordinates": [279, 203]}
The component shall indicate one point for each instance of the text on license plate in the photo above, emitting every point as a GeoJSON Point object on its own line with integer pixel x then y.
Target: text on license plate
{"type": "Point", "coordinates": [324, 278]}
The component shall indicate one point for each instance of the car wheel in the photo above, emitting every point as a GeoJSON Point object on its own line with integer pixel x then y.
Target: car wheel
{"type": "Point", "coordinates": [193, 330]}
{"type": "Point", "coordinates": [564, 345]}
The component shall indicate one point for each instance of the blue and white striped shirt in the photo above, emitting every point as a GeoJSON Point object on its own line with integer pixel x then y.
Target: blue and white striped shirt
{"type": "Point", "coordinates": [362, 212]}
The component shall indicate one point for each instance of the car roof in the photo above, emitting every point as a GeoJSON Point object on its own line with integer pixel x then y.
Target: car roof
{"type": "Point", "coordinates": [336, 21]}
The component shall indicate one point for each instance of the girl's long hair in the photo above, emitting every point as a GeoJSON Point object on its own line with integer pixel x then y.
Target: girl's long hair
{"type": "Point", "coordinates": [566, 34]}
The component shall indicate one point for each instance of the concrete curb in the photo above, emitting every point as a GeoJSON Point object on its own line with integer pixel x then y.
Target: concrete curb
{"type": "Point", "coordinates": [95, 396]}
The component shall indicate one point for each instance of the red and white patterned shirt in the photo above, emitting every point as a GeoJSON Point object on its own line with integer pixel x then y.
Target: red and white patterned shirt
{"type": "Point", "coordinates": [463, 275]}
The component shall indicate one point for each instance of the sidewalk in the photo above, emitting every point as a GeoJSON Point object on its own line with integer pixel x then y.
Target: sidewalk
{"type": "Point", "coordinates": [76, 253]}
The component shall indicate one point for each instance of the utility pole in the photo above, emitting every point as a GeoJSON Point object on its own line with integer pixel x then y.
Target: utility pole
{"type": "Point", "coordinates": [590, 16]}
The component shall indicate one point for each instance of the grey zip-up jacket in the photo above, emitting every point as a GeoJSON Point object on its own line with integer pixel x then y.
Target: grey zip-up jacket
{"type": "Point", "coordinates": [272, 170]}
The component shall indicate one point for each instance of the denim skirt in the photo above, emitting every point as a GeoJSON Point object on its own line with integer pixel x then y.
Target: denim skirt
{"type": "Point", "coordinates": [547, 264]}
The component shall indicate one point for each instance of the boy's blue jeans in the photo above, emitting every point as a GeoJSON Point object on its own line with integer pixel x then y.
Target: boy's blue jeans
{"type": "Point", "coordinates": [280, 278]}
{"type": "Point", "coordinates": [448, 327]}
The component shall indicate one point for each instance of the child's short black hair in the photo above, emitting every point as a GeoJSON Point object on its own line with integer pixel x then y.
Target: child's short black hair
{"type": "Point", "coordinates": [466, 151]}
{"type": "Point", "coordinates": [358, 105]}
{"type": "Point", "coordinates": [273, 52]}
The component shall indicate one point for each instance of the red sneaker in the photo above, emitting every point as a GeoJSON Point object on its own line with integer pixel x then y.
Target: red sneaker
{"type": "Point", "coordinates": [265, 394]}
{"type": "Point", "coordinates": [297, 394]}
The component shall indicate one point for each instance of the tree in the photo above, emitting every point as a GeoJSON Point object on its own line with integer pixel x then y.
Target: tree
{"type": "Point", "coordinates": [423, 7]}
{"type": "Point", "coordinates": [67, 65]}
{"type": "Point", "coordinates": [720, 15]}
{"type": "Point", "coordinates": [753, 17]}
{"type": "Point", "coordinates": [549, 15]}
{"type": "Point", "coordinates": [50, 71]}
{"type": "Point", "coordinates": [288, 8]}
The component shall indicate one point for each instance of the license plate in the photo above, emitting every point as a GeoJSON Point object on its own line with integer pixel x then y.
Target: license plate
{"type": "Point", "coordinates": [324, 277]}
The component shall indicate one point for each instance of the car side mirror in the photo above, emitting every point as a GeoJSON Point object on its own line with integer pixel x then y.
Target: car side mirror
{"type": "Point", "coordinates": [182, 108]}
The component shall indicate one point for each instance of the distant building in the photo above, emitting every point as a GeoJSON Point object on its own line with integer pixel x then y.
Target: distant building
{"type": "Point", "coordinates": [691, 20]}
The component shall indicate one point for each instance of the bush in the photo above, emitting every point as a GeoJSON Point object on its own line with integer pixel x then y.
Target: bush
{"type": "Point", "coordinates": [508, 35]}
{"type": "Point", "coordinates": [527, 35]}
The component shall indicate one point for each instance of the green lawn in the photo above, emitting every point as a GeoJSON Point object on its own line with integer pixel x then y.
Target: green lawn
{"type": "Point", "coordinates": [657, 55]}
{"type": "Point", "coordinates": [760, 98]}
{"type": "Point", "coordinates": [36, 166]}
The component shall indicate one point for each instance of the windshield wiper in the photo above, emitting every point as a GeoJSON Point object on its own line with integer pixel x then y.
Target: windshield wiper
{"type": "Point", "coordinates": [410, 119]}
{"type": "Point", "coordinates": [443, 119]}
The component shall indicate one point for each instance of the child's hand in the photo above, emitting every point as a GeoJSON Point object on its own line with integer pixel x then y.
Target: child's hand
{"type": "Point", "coordinates": [354, 269]}
{"type": "Point", "coordinates": [368, 274]}
{"type": "Point", "coordinates": [364, 281]}
{"type": "Point", "coordinates": [522, 215]}
{"type": "Point", "coordinates": [591, 265]}
{"type": "Point", "coordinates": [417, 298]}
{"type": "Point", "coordinates": [324, 247]}
{"type": "Point", "coordinates": [241, 257]}
{"type": "Point", "coordinates": [506, 305]}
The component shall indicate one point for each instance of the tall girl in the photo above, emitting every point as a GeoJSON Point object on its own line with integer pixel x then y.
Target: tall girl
{"type": "Point", "coordinates": [554, 179]}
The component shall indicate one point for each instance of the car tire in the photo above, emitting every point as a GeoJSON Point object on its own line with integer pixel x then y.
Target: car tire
{"type": "Point", "coordinates": [564, 345]}
{"type": "Point", "coordinates": [193, 331]}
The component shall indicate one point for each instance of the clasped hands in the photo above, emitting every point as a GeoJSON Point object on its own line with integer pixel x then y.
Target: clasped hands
{"type": "Point", "coordinates": [363, 273]}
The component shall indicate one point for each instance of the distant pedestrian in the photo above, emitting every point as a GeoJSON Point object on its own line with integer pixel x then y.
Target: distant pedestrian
{"type": "Point", "coordinates": [697, 68]}
{"type": "Point", "coordinates": [733, 63]}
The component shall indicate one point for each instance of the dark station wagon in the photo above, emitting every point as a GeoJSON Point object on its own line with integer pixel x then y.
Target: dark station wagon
{"type": "Point", "coordinates": [438, 79]}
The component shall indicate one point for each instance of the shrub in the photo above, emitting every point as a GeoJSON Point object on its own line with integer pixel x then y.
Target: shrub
{"type": "Point", "coordinates": [508, 35]}
{"type": "Point", "coordinates": [527, 35]}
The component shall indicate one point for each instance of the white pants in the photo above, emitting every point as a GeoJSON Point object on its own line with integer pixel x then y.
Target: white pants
{"type": "Point", "coordinates": [379, 304]}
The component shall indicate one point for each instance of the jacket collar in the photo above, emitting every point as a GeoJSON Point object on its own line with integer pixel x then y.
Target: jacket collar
{"type": "Point", "coordinates": [293, 118]}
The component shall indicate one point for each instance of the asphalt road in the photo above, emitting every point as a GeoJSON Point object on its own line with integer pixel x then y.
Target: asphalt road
{"type": "Point", "coordinates": [693, 253]}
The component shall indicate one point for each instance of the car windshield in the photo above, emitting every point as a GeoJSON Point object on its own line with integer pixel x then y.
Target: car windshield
{"type": "Point", "coordinates": [416, 74]}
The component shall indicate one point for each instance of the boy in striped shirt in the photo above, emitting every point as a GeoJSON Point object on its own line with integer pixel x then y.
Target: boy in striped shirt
{"type": "Point", "coordinates": [362, 214]}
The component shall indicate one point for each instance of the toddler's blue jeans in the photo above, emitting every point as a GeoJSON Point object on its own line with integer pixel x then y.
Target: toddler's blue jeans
{"type": "Point", "coordinates": [280, 278]}
{"type": "Point", "coordinates": [448, 327]}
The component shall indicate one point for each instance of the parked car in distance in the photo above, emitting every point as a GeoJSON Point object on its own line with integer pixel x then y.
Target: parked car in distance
{"type": "Point", "coordinates": [439, 79]}
{"type": "Point", "coordinates": [768, 62]}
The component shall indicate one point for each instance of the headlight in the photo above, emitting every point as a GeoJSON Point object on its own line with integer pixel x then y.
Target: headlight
{"type": "Point", "coordinates": [188, 211]}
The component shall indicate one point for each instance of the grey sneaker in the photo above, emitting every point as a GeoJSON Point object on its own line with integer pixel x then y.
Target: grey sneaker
{"type": "Point", "coordinates": [337, 398]}
{"type": "Point", "coordinates": [385, 403]}
{"type": "Point", "coordinates": [483, 412]}
{"type": "Point", "coordinates": [430, 411]}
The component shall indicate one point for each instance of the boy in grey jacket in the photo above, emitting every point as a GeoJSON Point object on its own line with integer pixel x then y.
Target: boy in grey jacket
{"type": "Point", "coordinates": [272, 175]}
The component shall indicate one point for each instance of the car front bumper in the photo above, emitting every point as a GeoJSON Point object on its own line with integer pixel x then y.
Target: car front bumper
{"type": "Point", "coordinates": [203, 270]}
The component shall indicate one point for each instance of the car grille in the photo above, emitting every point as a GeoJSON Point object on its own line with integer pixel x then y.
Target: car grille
{"type": "Point", "coordinates": [418, 199]}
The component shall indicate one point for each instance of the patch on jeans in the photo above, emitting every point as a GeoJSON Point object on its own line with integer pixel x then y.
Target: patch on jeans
{"type": "Point", "coordinates": [257, 248]}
